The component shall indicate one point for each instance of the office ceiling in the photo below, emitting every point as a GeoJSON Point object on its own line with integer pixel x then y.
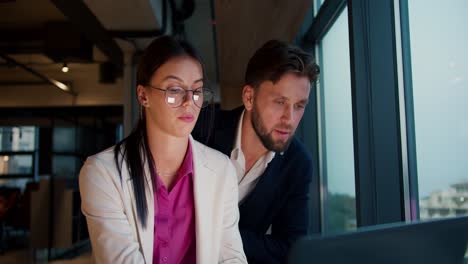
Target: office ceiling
{"type": "Point", "coordinates": [30, 26]}
{"type": "Point", "coordinates": [42, 34]}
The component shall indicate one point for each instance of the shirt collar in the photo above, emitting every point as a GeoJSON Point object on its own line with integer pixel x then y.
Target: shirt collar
{"type": "Point", "coordinates": [237, 143]}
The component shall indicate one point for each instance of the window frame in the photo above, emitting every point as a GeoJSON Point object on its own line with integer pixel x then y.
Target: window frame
{"type": "Point", "coordinates": [380, 138]}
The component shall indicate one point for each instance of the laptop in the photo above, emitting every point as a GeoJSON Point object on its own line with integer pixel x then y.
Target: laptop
{"type": "Point", "coordinates": [441, 241]}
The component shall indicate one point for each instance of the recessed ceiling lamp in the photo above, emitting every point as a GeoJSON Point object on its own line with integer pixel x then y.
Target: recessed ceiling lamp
{"type": "Point", "coordinates": [65, 67]}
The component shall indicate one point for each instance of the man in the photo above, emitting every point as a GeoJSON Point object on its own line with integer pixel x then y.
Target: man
{"type": "Point", "coordinates": [273, 168]}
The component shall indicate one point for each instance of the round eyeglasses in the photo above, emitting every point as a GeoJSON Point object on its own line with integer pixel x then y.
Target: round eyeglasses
{"type": "Point", "coordinates": [176, 96]}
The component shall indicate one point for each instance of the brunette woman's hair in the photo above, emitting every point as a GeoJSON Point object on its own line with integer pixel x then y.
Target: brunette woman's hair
{"type": "Point", "coordinates": [134, 148]}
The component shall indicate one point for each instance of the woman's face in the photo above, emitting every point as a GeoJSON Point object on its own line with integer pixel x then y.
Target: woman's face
{"type": "Point", "coordinates": [160, 110]}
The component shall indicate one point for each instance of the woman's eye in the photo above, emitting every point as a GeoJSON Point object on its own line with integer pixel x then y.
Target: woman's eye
{"type": "Point", "coordinates": [176, 90]}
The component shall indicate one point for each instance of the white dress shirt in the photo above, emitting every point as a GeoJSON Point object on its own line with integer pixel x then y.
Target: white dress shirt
{"type": "Point", "coordinates": [247, 181]}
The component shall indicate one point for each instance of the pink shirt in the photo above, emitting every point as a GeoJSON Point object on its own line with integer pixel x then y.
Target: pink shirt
{"type": "Point", "coordinates": [174, 219]}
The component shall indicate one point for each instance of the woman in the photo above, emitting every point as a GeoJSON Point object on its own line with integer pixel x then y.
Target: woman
{"type": "Point", "coordinates": [159, 196]}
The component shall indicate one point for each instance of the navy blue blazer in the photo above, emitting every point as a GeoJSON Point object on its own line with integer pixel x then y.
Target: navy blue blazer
{"type": "Point", "coordinates": [280, 198]}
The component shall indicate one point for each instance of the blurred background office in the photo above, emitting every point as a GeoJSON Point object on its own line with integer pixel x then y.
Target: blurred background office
{"type": "Point", "coordinates": [386, 123]}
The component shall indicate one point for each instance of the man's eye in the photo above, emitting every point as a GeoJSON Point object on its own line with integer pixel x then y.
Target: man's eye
{"type": "Point", "coordinates": [198, 92]}
{"type": "Point", "coordinates": [300, 106]}
{"type": "Point", "coordinates": [280, 102]}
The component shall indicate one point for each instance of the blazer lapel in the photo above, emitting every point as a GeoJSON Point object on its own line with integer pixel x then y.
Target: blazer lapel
{"type": "Point", "coordinates": [264, 190]}
{"type": "Point", "coordinates": [145, 235]}
{"type": "Point", "coordinates": [203, 194]}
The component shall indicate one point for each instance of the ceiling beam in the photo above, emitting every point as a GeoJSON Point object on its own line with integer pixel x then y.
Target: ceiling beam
{"type": "Point", "coordinates": [23, 83]}
{"type": "Point", "coordinates": [60, 41]}
{"type": "Point", "coordinates": [81, 16]}
{"type": "Point", "coordinates": [145, 33]}
{"type": "Point", "coordinates": [62, 86]}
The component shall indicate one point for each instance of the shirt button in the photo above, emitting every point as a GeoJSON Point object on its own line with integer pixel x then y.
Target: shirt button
{"type": "Point", "coordinates": [164, 259]}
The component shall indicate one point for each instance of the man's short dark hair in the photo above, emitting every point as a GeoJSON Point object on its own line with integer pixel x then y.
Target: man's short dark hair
{"type": "Point", "coordinates": [276, 58]}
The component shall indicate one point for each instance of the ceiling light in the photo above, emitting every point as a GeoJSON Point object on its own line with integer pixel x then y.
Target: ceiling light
{"type": "Point", "coordinates": [65, 67]}
{"type": "Point", "coordinates": [61, 85]}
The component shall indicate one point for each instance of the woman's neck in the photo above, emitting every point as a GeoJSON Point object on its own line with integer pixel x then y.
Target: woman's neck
{"type": "Point", "coordinates": [168, 154]}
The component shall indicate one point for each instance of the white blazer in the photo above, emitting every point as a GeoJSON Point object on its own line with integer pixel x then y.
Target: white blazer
{"type": "Point", "coordinates": [116, 234]}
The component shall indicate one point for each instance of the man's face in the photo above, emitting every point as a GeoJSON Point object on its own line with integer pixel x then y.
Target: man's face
{"type": "Point", "coordinates": [277, 109]}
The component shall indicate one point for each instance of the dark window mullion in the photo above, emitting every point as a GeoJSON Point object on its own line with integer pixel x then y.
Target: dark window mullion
{"type": "Point", "coordinates": [409, 109]}
{"type": "Point", "coordinates": [379, 189]}
{"type": "Point", "coordinates": [326, 16]}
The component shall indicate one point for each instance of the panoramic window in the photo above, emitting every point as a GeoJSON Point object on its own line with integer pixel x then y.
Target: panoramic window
{"type": "Point", "coordinates": [336, 126]}
{"type": "Point", "coordinates": [439, 58]}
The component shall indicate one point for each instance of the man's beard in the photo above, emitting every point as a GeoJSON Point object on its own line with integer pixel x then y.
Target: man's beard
{"type": "Point", "coordinates": [266, 137]}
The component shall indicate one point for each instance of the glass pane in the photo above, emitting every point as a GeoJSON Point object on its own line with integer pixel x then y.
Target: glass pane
{"type": "Point", "coordinates": [64, 139]}
{"type": "Point", "coordinates": [16, 164]}
{"type": "Point", "coordinates": [317, 5]}
{"type": "Point", "coordinates": [17, 138]}
{"type": "Point", "coordinates": [65, 166]}
{"type": "Point", "coordinates": [119, 132]}
{"type": "Point", "coordinates": [337, 130]}
{"type": "Point", "coordinates": [440, 90]}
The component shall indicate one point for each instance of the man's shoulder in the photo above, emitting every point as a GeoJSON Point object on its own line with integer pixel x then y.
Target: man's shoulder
{"type": "Point", "coordinates": [294, 168]}
{"type": "Point", "coordinates": [297, 151]}
{"type": "Point", "coordinates": [294, 164]}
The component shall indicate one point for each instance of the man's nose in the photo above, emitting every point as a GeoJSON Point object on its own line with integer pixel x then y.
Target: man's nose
{"type": "Point", "coordinates": [288, 113]}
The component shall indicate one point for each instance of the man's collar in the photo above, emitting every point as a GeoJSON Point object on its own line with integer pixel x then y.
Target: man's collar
{"type": "Point", "coordinates": [238, 138]}
{"type": "Point", "coordinates": [238, 134]}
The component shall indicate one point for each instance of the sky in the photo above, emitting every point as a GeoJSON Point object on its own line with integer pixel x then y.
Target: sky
{"type": "Point", "coordinates": [439, 41]}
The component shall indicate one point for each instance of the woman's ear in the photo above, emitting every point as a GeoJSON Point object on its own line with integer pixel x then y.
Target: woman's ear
{"type": "Point", "coordinates": [248, 94]}
{"type": "Point", "coordinates": [142, 96]}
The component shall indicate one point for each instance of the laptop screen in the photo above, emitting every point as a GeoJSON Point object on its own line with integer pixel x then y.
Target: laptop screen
{"type": "Point", "coordinates": [429, 242]}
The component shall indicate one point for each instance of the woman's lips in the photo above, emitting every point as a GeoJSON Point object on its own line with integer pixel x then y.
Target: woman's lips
{"type": "Point", "coordinates": [187, 118]}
